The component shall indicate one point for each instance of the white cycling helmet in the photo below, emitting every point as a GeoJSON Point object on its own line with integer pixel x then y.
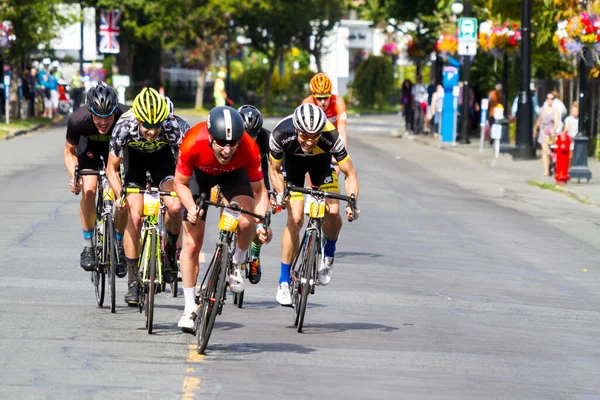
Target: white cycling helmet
{"type": "Point", "coordinates": [309, 119]}
{"type": "Point", "coordinates": [169, 105]}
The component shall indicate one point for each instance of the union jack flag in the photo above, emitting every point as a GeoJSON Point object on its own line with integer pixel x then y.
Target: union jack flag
{"type": "Point", "coordinates": [109, 32]}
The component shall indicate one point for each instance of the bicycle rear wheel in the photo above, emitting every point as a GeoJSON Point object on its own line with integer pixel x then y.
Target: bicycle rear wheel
{"type": "Point", "coordinates": [111, 247]}
{"type": "Point", "coordinates": [307, 276]}
{"type": "Point", "coordinates": [212, 299]}
{"type": "Point", "coordinates": [150, 290]}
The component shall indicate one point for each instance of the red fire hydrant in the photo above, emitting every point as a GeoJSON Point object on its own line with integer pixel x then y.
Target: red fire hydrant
{"type": "Point", "coordinates": [563, 156]}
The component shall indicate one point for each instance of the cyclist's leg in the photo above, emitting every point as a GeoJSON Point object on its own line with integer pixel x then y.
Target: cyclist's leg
{"type": "Point", "coordinates": [88, 159]}
{"type": "Point", "coordinates": [162, 169]}
{"type": "Point", "coordinates": [327, 179]}
{"type": "Point", "coordinates": [135, 174]}
{"type": "Point", "coordinates": [191, 245]}
{"type": "Point", "coordinates": [235, 186]}
{"type": "Point", "coordinates": [295, 170]}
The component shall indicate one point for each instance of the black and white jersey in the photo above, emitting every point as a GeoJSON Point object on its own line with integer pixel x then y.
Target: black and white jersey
{"type": "Point", "coordinates": [126, 134]}
{"type": "Point", "coordinates": [284, 141]}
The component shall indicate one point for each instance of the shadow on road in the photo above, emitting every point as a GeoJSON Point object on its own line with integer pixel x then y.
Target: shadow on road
{"type": "Point", "coordinates": [354, 326]}
{"type": "Point", "coordinates": [262, 348]}
{"type": "Point", "coordinates": [342, 254]}
{"type": "Point", "coordinates": [227, 326]}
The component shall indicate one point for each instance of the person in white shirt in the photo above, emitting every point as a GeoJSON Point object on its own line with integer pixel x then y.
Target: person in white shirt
{"type": "Point", "coordinates": [572, 121]}
{"type": "Point", "coordinates": [419, 92]}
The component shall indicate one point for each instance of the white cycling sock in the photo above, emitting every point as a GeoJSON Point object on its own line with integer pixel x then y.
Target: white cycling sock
{"type": "Point", "coordinates": [190, 300]}
{"type": "Point", "coordinates": [239, 256]}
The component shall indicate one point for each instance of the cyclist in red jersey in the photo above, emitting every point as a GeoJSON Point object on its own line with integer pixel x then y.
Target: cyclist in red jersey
{"type": "Point", "coordinates": [218, 152]}
{"type": "Point", "coordinates": [334, 106]}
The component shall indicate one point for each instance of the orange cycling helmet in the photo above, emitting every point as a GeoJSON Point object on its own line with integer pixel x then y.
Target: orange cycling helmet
{"type": "Point", "coordinates": [320, 84]}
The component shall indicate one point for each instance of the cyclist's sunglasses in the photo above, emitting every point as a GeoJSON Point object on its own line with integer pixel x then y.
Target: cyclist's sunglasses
{"type": "Point", "coordinates": [322, 96]}
{"type": "Point", "coordinates": [103, 115]}
{"type": "Point", "coordinates": [306, 137]}
{"type": "Point", "coordinates": [224, 143]}
{"type": "Point", "coordinates": [151, 126]}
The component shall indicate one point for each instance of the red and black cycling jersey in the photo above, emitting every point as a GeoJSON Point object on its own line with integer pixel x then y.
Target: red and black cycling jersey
{"type": "Point", "coordinates": [284, 140]}
{"type": "Point", "coordinates": [196, 152]}
{"type": "Point", "coordinates": [80, 124]}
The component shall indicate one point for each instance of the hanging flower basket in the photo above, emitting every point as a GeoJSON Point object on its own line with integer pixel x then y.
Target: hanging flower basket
{"type": "Point", "coordinates": [390, 49]}
{"type": "Point", "coordinates": [415, 51]}
{"type": "Point", "coordinates": [578, 33]}
{"type": "Point", "coordinates": [501, 40]}
{"type": "Point", "coordinates": [446, 45]}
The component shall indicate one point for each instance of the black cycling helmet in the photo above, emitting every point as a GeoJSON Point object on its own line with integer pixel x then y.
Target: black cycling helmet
{"type": "Point", "coordinates": [225, 123]}
{"type": "Point", "coordinates": [253, 119]}
{"type": "Point", "coordinates": [101, 99]}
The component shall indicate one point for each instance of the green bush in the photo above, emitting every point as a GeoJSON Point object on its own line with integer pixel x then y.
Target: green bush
{"type": "Point", "coordinates": [374, 82]}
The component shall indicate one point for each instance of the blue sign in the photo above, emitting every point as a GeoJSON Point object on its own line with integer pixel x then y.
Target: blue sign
{"type": "Point", "coordinates": [450, 77]}
{"type": "Point", "coordinates": [7, 85]}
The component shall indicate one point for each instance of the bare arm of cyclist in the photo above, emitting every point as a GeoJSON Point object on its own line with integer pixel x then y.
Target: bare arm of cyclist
{"type": "Point", "coordinates": [181, 187]}
{"type": "Point", "coordinates": [351, 183]}
{"type": "Point", "coordinates": [261, 199]}
{"type": "Point", "coordinates": [276, 175]}
{"type": "Point", "coordinates": [341, 119]}
{"type": "Point", "coordinates": [112, 173]}
{"type": "Point", "coordinates": [70, 163]}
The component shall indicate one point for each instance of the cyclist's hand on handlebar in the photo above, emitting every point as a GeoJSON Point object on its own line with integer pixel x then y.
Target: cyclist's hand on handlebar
{"type": "Point", "coordinates": [264, 235]}
{"type": "Point", "coordinates": [120, 202]}
{"type": "Point", "coordinates": [75, 187]}
{"type": "Point", "coordinates": [350, 215]}
{"type": "Point", "coordinates": [195, 215]}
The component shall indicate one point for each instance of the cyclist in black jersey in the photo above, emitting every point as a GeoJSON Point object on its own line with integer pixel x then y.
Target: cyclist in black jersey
{"type": "Point", "coordinates": [253, 123]}
{"type": "Point", "coordinates": [304, 142]}
{"type": "Point", "coordinates": [147, 138]}
{"type": "Point", "coordinates": [88, 133]}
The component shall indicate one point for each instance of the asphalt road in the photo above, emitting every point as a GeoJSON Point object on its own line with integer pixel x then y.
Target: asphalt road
{"type": "Point", "coordinates": [456, 283]}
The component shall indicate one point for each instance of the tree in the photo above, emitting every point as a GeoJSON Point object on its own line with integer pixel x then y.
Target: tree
{"type": "Point", "coordinates": [327, 15]}
{"type": "Point", "coordinates": [273, 29]}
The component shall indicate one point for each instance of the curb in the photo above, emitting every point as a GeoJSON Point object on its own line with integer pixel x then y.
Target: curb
{"type": "Point", "coordinates": [26, 131]}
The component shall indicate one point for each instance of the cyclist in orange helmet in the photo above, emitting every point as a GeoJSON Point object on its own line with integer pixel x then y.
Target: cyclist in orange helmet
{"type": "Point", "coordinates": [334, 106]}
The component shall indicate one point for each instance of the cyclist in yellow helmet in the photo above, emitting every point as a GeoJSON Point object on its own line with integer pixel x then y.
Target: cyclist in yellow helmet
{"type": "Point", "coordinates": [147, 138]}
{"type": "Point", "coordinates": [334, 106]}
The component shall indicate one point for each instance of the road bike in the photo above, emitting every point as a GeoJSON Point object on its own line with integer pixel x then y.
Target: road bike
{"type": "Point", "coordinates": [303, 272]}
{"type": "Point", "coordinates": [212, 294]}
{"type": "Point", "coordinates": [104, 242]}
{"type": "Point", "coordinates": [153, 256]}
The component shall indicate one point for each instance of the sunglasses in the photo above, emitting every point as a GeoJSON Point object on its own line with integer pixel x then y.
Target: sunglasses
{"type": "Point", "coordinates": [306, 137]}
{"type": "Point", "coordinates": [103, 115]}
{"type": "Point", "coordinates": [224, 143]}
{"type": "Point", "coordinates": [151, 126]}
{"type": "Point", "coordinates": [325, 97]}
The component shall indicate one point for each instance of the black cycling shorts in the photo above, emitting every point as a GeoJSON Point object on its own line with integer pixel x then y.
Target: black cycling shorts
{"type": "Point", "coordinates": [319, 168]}
{"type": "Point", "coordinates": [89, 153]}
{"type": "Point", "coordinates": [234, 183]}
{"type": "Point", "coordinates": [160, 164]}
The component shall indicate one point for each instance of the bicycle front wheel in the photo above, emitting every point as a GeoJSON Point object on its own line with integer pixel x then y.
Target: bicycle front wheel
{"type": "Point", "coordinates": [111, 246]}
{"type": "Point", "coordinates": [99, 272]}
{"type": "Point", "coordinates": [213, 297]}
{"type": "Point", "coordinates": [151, 289]}
{"type": "Point", "coordinates": [307, 276]}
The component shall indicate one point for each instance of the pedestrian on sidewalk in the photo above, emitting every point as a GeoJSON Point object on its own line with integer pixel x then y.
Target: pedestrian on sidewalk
{"type": "Point", "coordinates": [407, 100]}
{"type": "Point", "coordinates": [419, 93]}
{"type": "Point", "coordinates": [546, 127]}
{"type": "Point", "coordinates": [572, 126]}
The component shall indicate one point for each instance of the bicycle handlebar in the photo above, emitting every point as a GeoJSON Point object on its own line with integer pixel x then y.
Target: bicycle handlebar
{"type": "Point", "coordinates": [201, 202]}
{"type": "Point", "coordinates": [351, 200]}
{"type": "Point", "coordinates": [135, 189]}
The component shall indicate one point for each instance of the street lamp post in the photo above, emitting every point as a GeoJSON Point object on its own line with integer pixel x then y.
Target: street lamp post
{"type": "Point", "coordinates": [524, 148]}
{"type": "Point", "coordinates": [230, 24]}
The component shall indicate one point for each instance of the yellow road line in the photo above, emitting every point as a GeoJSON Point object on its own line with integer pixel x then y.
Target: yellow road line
{"type": "Point", "coordinates": [191, 383]}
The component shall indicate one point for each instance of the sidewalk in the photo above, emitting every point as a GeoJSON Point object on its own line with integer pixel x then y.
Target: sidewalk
{"type": "Point", "coordinates": [524, 170]}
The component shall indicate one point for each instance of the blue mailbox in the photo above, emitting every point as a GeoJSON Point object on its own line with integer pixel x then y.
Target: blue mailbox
{"type": "Point", "coordinates": [450, 77]}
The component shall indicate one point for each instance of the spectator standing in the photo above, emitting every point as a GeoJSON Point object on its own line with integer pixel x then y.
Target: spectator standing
{"type": "Point", "coordinates": [77, 89]}
{"type": "Point", "coordinates": [546, 127]}
{"type": "Point", "coordinates": [407, 102]}
{"type": "Point", "coordinates": [419, 93]}
{"type": "Point", "coordinates": [219, 92]}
